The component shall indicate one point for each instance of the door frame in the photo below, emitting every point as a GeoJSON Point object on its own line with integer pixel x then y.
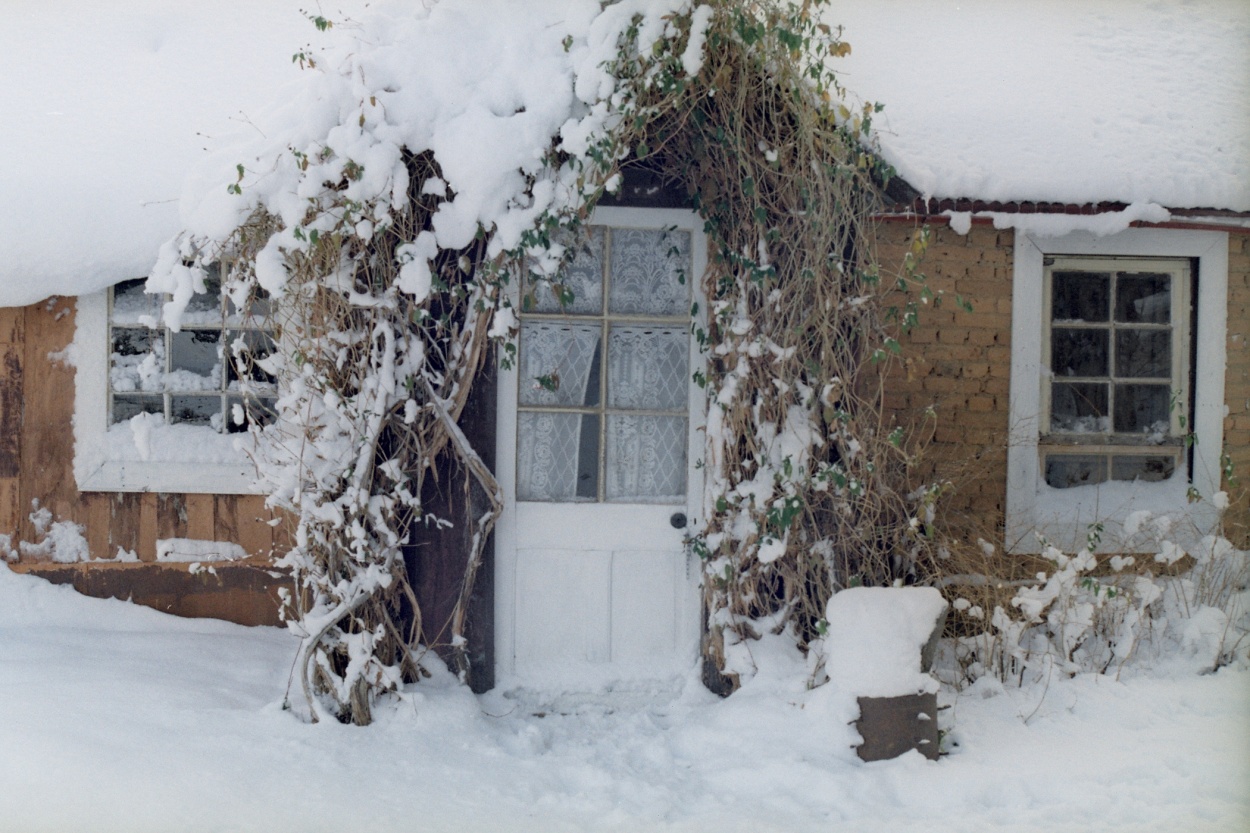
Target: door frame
{"type": "Point", "coordinates": [507, 528]}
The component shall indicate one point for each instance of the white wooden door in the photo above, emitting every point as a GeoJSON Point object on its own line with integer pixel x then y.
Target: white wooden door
{"type": "Point", "coordinates": [600, 428]}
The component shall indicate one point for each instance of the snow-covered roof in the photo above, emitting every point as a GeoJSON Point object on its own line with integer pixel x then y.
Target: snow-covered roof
{"type": "Point", "coordinates": [107, 107]}
{"type": "Point", "coordinates": [1059, 101]}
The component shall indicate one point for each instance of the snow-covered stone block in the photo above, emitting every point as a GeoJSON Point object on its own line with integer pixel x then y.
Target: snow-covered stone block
{"type": "Point", "coordinates": [878, 648]}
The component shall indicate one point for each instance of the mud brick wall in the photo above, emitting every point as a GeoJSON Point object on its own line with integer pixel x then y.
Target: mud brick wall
{"type": "Point", "coordinates": [959, 364]}
{"type": "Point", "coordinates": [1237, 389]}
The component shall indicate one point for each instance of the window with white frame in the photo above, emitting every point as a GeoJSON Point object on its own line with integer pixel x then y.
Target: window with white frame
{"type": "Point", "coordinates": [162, 411]}
{"type": "Point", "coordinates": [1117, 383]}
{"type": "Point", "coordinates": [1116, 403]}
{"type": "Point", "coordinates": [209, 373]}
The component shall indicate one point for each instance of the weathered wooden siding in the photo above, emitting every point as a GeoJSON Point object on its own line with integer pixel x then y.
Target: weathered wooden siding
{"type": "Point", "coordinates": [36, 464]}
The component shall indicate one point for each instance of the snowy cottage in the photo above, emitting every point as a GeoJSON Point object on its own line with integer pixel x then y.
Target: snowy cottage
{"type": "Point", "coordinates": [1084, 171]}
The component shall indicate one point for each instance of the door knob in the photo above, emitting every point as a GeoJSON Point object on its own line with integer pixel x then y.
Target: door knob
{"type": "Point", "coordinates": [678, 520]}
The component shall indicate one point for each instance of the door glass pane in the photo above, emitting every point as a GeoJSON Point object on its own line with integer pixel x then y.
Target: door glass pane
{"type": "Point", "coordinates": [1143, 298]}
{"type": "Point", "coordinates": [647, 367]}
{"type": "Point", "coordinates": [1078, 408]}
{"type": "Point", "coordinates": [646, 458]}
{"type": "Point", "coordinates": [579, 289]}
{"type": "Point", "coordinates": [1142, 409]}
{"type": "Point", "coordinates": [1079, 352]}
{"type": "Point", "coordinates": [650, 272]}
{"type": "Point", "coordinates": [1143, 353]}
{"type": "Point", "coordinates": [1063, 471]}
{"type": "Point", "coordinates": [557, 360]}
{"type": "Point", "coordinates": [1080, 296]}
{"type": "Point", "coordinates": [549, 456]}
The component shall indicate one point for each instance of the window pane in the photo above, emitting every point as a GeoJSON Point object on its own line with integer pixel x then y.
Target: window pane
{"type": "Point", "coordinates": [126, 406]}
{"type": "Point", "coordinates": [646, 458]}
{"type": "Point", "coordinates": [1143, 298]}
{"type": "Point", "coordinates": [132, 342]}
{"type": "Point", "coordinates": [557, 362]}
{"type": "Point", "coordinates": [131, 303]}
{"type": "Point", "coordinates": [549, 455]}
{"type": "Point", "coordinates": [205, 308]}
{"type": "Point", "coordinates": [1143, 353]}
{"type": "Point", "coordinates": [255, 312]}
{"type": "Point", "coordinates": [651, 271]}
{"type": "Point", "coordinates": [246, 348]}
{"type": "Point", "coordinates": [138, 360]}
{"type": "Point", "coordinates": [196, 410]}
{"type": "Point", "coordinates": [580, 287]}
{"type": "Point", "coordinates": [1142, 409]}
{"type": "Point", "coordinates": [1078, 408]}
{"type": "Point", "coordinates": [195, 360]}
{"type": "Point", "coordinates": [1079, 352]}
{"type": "Point", "coordinates": [1080, 296]}
{"type": "Point", "coordinates": [1063, 471]}
{"type": "Point", "coordinates": [647, 367]}
{"type": "Point", "coordinates": [241, 410]}
{"type": "Point", "coordinates": [1141, 467]}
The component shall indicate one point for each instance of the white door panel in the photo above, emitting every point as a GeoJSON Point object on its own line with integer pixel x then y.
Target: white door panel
{"type": "Point", "coordinates": [593, 584]}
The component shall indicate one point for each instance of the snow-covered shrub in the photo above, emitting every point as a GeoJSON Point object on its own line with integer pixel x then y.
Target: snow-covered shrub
{"type": "Point", "coordinates": [1088, 614]}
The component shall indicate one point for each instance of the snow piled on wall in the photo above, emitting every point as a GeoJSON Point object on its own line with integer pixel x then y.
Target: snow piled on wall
{"type": "Point", "coordinates": [1059, 101]}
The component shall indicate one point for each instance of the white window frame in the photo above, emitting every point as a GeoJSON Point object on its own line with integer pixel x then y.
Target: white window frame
{"type": "Point", "coordinates": [107, 458]}
{"type": "Point", "coordinates": [1065, 516]}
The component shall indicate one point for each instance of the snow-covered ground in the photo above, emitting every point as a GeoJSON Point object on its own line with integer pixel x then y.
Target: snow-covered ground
{"type": "Point", "coordinates": [115, 717]}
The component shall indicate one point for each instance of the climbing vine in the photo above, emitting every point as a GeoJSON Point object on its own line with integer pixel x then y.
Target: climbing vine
{"type": "Point", "coordinates": [390, 268]}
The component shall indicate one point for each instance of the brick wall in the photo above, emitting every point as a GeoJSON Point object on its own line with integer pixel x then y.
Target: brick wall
{"type": "Point", "coordinates": [1237, 388]}
{"type": "Point", "coordinates": [959, 363]}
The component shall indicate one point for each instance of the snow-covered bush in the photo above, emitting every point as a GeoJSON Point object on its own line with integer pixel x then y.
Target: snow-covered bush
{"type": "Point", "coordinates": [1091, 614]}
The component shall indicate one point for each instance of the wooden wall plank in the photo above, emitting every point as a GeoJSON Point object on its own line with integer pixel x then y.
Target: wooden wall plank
{"type": "Point", "coordinates": [47, 455]}
{"type": "Point", "coordinates": [124, 521]}
{"type": "Point", "coordinates": [226, 518]}
{"type": "Point", "coordinates": [255, 534]}
{"type": "Point", "coordinates": [12, 325]}
{"type": "Point", "coordinates": [10, 409]}
{"type": "Point", "coordinates": [171, 516]}
{"type": "Point", "coordinates": [9, 518]}
{"type": "Point", "coordinates": [147, 526]}
{"type": "Point", "coordinates": [96, 512]}
{"type": "Point", "coordinates": [200, 511]}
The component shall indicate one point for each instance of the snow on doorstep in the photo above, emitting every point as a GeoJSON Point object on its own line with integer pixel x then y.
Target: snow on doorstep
{"type": "Point", "coordinates": [184, 550]}
{"type": "Point", "coordinates": [1059, 101]}
{"type": "Point", "coordinates": [872, 647]}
